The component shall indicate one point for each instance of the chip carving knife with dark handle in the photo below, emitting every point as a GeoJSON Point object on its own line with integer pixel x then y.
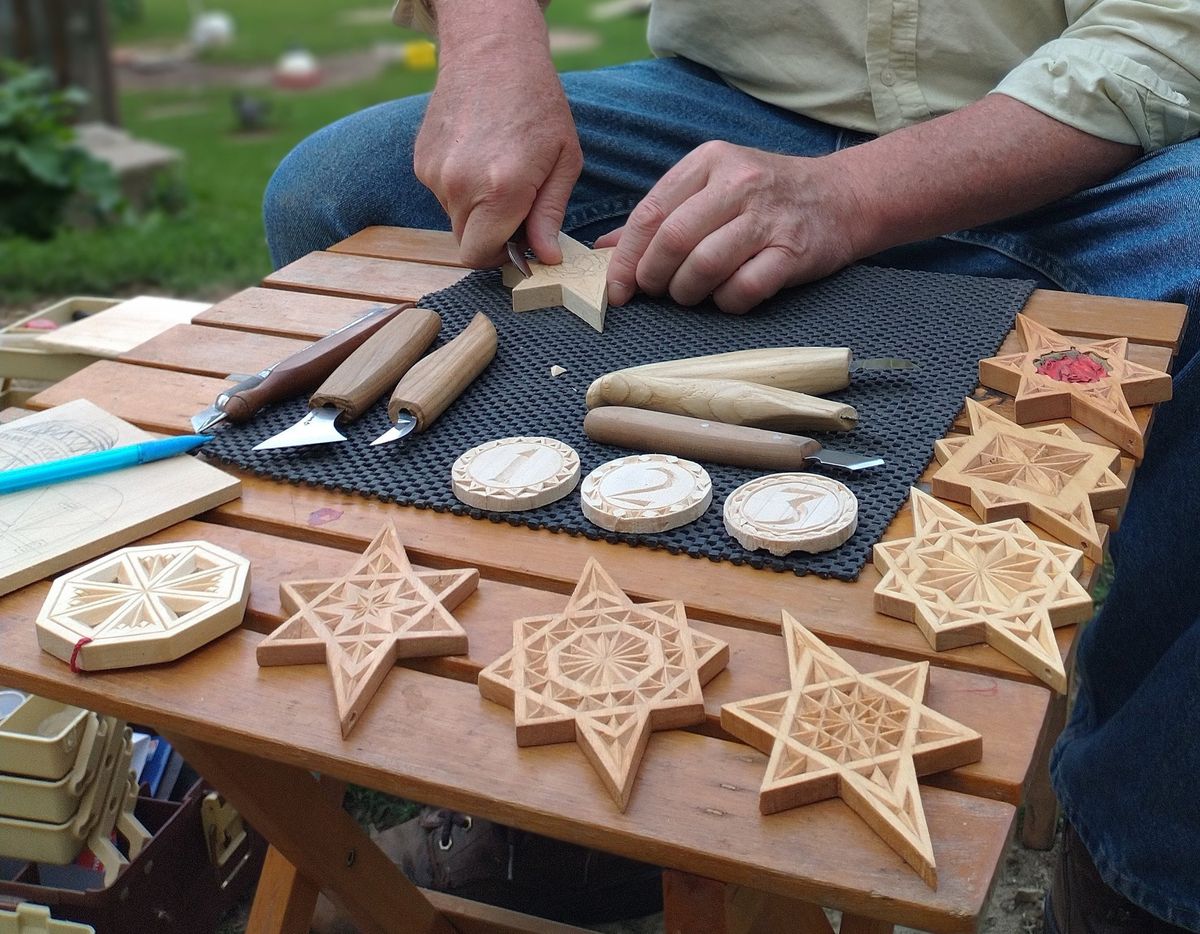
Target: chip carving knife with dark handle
{"type": "Point", "coordinates": [436, 381]}
{"type": "Point", "coordinates": [361, 379]}
{"type": "Point", "coordinates": [733, 401]}
{"type": "Point", "coordinates": [715, 442]}
{"type": "Point", "coordinates": [301, 371]}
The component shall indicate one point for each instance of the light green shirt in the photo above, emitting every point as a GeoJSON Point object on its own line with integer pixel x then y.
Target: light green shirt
{"type": "Point", "coordinates": [1124, 70]}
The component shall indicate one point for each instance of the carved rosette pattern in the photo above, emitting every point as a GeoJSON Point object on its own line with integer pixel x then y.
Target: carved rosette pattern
{"type": "Point", "coordinates": [1046, 476]}
{"type": "Point", "coordinates": [963, 583]}
{"type": "Point", "coordinates": [605, 672]}
{"type": "Point", "coordinates": [361, 624]}
{"type": "Point", "coordinates": [862, 737]}
{"type": "Point", "coordinates": [1102, 404]}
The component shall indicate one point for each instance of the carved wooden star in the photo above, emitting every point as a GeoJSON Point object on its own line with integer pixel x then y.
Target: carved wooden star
{"type": "Point", "coordinates": [864, 738]}
{"type": "Point", "coordinates": [963, 583]}
{"type": "Point", "coordinates": [1093, 383]}
{"type": "Point", "coordinates": [360, 624]}
{"type": "Point", "coordinates": [1046, 476]}
{"type": "Point", "coordinates": [604, 672]}
{"type": "Point", "coordinates": [578, 283]}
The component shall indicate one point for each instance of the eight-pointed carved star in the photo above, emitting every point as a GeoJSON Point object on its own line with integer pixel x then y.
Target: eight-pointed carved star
{"type": "Point", "coordinates": [1102, 403]}
{"type": "Point", "coordinates": [1045, 475]}
{"type": "Point", "coordinates": [963, 583]}
{"type": "Point", "coordinates": [361, 623]}
{"type": "Point", "coordinates": [865, 738]}
{"type": "Point", "coordinates": [578, 283]}
{"type": "Point", "coordinates": [604, 672]}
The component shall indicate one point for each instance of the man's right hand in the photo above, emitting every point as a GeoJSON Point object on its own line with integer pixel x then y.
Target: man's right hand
{"type": "Point", "coordinates": [498, 145]}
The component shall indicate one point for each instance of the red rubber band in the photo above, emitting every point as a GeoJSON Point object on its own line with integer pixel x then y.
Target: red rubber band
{"type": "Point", "coordinates": [75, 653]}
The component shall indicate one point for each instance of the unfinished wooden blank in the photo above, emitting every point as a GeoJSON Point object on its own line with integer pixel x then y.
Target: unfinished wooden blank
{"type": "Point", "coordinates": [786, 512]}
{"type": "Point", "coordinates": [1093, 383]}
{"type": "Point", "coordinates": [865, 738]}
{"type": "Point", "coordinates": [1046, 476]}
{"type": "Point", "coordinates": [578, 283]}
{"type": "Point", "coordinates": [604, 672]}
{"type": "Point", "coordinates": [360, 624]}
{"type": "Point", "coordinates": [141, 606]}
{"type": "Point", "coordinates": [645, 493]}
{"type": "Point", "coordinates": [512, 474]}
{"type": "Point", "coordinates": [963, 583]}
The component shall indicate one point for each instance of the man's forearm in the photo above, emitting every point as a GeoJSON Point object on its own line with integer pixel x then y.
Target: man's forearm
{"type": "Point", "coordinates": [471, 23]}
{"type": "Point", "coordinates": [992, 159]}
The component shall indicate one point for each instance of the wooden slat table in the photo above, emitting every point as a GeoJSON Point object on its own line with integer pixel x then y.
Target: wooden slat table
{"type": "Point", "coordinates": [259, 734]}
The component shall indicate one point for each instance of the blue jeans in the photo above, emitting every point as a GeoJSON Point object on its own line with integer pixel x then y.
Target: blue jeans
{"type": "Point", "coordinates": [1124, 765]}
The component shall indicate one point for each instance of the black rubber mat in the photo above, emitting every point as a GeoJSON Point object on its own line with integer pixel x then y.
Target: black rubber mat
{"type": "Point", "coordinates": [944, 323]}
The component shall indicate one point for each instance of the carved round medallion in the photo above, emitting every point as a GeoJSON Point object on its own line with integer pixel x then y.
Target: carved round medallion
{"type": "Point", "coordinates": [512, 474]}
{"type": "Point", "coordinates": [786, 512]}
{"type": "Point", "coordinates": [645, 493]}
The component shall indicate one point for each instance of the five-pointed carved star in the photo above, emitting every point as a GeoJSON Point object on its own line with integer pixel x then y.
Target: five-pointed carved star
{"type": "Point", "coordinates": [1045, 475]}
{"type": "Point", "coordinates": [964, 583]}
{"type": "Point", "coordinates": [361, 623]}
{"type": "Point", "coordinates": [604, 672]}
{"type": "Point", "coordinates": [578, 283]}
{"type": "Point", "coordinates": [864, 738]}
{"type": "Point", "coordinates": [1102, 402]}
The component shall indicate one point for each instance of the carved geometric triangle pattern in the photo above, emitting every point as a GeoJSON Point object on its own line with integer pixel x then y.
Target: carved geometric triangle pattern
{"type": "Point", "coordinates": [864, 738]}
{"type": "Point", "coordinates": [1046, 476]}
{"type": "Point", "coordinates": [1093, 383]}
{"type": "Point", "coordinates": [361, 624]}
{"type": "Point", "coordinates": [964, 583]}
{"type": "Point", "coordinates": [604, 672]}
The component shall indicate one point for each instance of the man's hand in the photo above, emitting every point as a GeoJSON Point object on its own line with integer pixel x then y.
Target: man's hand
{"type": "Point", "coordinates": [498, 145]}
{"type": "Point", "coordinates": [737, 224]}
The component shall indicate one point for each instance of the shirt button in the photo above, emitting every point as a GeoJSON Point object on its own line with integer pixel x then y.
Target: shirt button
{"type": "Point", "coordinates": [888, 77]}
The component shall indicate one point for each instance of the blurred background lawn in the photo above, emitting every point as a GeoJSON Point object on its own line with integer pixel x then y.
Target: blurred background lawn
{"type": "Point", "coordinates": [202, 236]}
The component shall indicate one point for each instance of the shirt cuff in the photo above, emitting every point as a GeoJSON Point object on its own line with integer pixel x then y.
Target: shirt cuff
{"type": "Point", "coordinates": [415, 14]}
{"type": "Point", "coordinates": [1104, 93]}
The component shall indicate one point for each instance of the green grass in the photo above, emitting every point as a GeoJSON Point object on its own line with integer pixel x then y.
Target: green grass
{"type": "Point", "coordinates": [215, 244]}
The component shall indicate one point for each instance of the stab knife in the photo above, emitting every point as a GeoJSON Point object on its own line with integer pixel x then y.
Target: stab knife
{"type": "Point", "coordinates": [361, 379]}
{"type": "Point", "coordinates": [301, 371]}
{"type": "Point", "coordinates": [717, 443]}
{"type": "Point", "coordinates": [427, 389]}
{"type": "Point", "coordinates": [814, 370]}
{"type": "Point", "coordinates": [733, 401]}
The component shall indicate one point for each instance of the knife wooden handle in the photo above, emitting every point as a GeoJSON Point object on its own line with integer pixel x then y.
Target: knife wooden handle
{"type": "Point", "coordinates": [698, 438]}
{"type": "Point", "coordinates": [815, 370]}
{"type": "Point", "coordinates": [369, 371]}
{"type": "Point", "coordinates": [732, 401]}
{"type": "Point", "coordinates": [303, 370]}
{"type": "Point", "coordinates": [429, 387]}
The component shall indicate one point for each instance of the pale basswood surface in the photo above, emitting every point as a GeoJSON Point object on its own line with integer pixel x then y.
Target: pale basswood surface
{"type": "Point", "coordinates": [645, 493]}
{"type": "Point", "coordinates": [1044, 475]}
{"type": "Point", "coordinates": [1102, 404]}
{"type": "Point", "coordinates": [511, 474]}
{"type": "Point", "coordinates": [604, 672]}
{"type": "Point", "coordinates": [141, 606]}
{"type": "Point", "coordinates": [578, 283]}
{"type": "Point", "coordinates": [863, 737]}
{"type": "Point", "coordinates": [361, 623]}
{"type": "Point", "coordinates": [786, 512]}
{"type": "Point", "coordinates": [964, 583]}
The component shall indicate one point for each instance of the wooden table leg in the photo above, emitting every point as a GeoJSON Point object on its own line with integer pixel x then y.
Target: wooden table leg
{"type": "Point", "coordinates": [693, 903]}
{"type": "Point", "coordinates": [287, 806]}
{"type": "Point", "coordinates": [857, 924]}
{"type": "Point", "coordinates": [1039, 821]}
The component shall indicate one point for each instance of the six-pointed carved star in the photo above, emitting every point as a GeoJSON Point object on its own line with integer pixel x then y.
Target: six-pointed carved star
{"type": "Point", "coordinates": [963, 583]}
{"type": "Point", "coordinates": [863, 737]}
{"type": "Point", "coordinates": [578, 283]}
{"type": "Point", "coordinates": [604, 672]}
{"type": "Point", "coordinates": [1111, 383]}
{"type": "Point", "coordinates": [1044, 475]}
{"type": "Point", "coordinates": [360, 624]}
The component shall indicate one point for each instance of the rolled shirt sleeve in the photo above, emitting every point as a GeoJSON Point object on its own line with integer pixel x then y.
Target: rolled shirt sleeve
{"type": "Point", "coordinates": [1124, 70]}
{"type": "Point", "coordinates": [421, 15]}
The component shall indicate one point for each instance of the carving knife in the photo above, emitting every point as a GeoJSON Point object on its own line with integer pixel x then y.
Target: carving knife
{"type": "Point", "coordinates": [436, 381]}
{"type": "Point", "coordinates": [301, 371]}
{"type": "Point", "coordinates": [717, 443]}
{"type": "Point", "coordinates": [361, 379]}
{"type": "Point", "coordinates": [516, 247]}
{"type": "Point", "coordinates": [733, 401]}
{"type": "Point", "coordinates": [814, 370]}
